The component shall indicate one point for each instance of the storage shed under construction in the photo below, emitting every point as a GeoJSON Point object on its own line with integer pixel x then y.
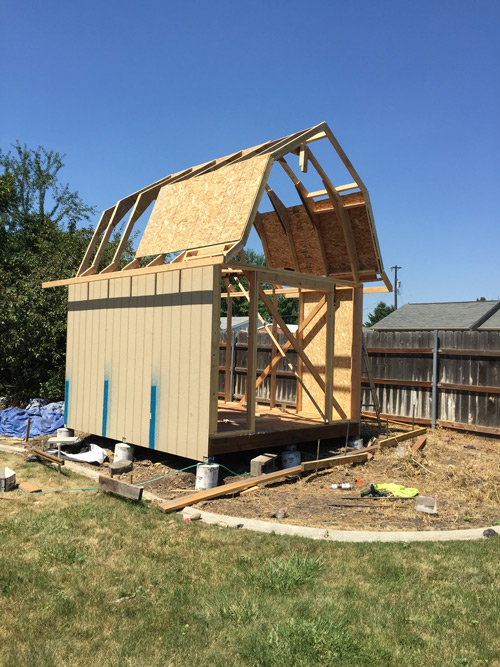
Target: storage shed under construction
{"type": "Point", "coordinates": [143, 340]}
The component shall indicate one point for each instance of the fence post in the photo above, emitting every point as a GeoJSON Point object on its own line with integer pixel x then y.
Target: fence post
{"type": "Point", "coordinates": [435, 352]}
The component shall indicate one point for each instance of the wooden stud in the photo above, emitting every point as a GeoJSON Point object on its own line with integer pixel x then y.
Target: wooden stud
{"type": "Point", "coordinates": [274, 349]}
{"type": "Point", "coordinates": [311, 213]}
{"type": "Point", "coordinates": [229, 345]}
{"type": "Point", "coordinates": [282, 213]}
{"type": "Point", "coordinates": [329, 354]}
{"type": "Point", "coordinates": [298, 347]}
{"type": "Point", "coordinates": [252, 349]}
{"type": "Point", "coordinates": [342, 215]}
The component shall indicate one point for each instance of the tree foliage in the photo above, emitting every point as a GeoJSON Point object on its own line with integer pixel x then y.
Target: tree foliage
{"type": "Point", "coordinates": [41, 239]}
{"type": "Point", "coordinates": [380, 311]}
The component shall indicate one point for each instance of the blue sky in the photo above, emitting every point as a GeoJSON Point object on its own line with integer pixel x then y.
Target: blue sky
{"type": "Point", "coordinates": [132, 91]}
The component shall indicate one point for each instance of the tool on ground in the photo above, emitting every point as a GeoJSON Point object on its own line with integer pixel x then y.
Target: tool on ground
{"type": "Point", "coordinates": [373, 492]}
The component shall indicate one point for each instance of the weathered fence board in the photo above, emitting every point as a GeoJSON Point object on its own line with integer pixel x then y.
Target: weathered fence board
{"type": "Point", "coordinates": [469, 361]}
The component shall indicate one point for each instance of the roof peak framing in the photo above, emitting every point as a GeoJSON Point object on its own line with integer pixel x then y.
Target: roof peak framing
{"type": "Point", "coordinates": [176, 225]}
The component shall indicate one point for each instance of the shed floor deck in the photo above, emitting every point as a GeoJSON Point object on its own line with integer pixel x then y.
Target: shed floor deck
{"type": "Point", "coordinates": [273, 428]}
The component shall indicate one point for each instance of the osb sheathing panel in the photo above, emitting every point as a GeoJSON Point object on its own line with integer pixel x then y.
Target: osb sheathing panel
{"type": "Point", "coordinates": [314, 343]}
{"type": "Point", "coordinates": [205, 210]}
{"type": "Point", "coordinates": [332, 235]}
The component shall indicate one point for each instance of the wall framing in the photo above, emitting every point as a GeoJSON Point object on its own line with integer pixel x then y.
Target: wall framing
{"type": "Point", "coordinates": [143, 340]}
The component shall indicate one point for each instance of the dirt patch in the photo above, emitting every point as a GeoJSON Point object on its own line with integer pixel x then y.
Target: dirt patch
{"type": "Point", "coordinates": [460, 470]}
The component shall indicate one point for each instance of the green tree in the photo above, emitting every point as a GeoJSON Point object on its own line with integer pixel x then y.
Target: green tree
{"type": "Point", "coordinates": [380, 311]}
{"type": "Point", "coordinates": [41, 239]}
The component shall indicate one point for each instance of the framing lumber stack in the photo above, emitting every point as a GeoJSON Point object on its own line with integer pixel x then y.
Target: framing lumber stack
{"type": "Point", "coordinates": [143, 339]}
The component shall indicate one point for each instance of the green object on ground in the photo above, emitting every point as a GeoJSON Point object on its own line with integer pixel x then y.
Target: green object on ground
{"type": "Point", "coordinates": [373, 492]}
{"type": "Point", "coordinates": [398, 490]}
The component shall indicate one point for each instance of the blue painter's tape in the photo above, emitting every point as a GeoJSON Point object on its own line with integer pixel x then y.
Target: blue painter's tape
{"type": "Point", "coordinates": [105, 408]}
{"type": "Point", "coordinates": [152, 419]}
{"type": "Point", "coordinates": [66, 402]}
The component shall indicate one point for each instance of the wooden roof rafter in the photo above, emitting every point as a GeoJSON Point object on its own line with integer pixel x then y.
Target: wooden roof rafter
{"type": "Point", "coordinates": [342, 199]}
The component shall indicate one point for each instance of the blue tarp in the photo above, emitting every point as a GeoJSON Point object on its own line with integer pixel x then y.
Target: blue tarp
{"type": "Point", "coordinates": [45, 419]}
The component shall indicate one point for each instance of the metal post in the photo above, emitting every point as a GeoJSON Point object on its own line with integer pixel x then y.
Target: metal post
{"type": "Point", "coordinates": [435, 352]}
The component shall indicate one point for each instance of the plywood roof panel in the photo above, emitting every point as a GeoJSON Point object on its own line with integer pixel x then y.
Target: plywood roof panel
{"type": "Point", "coordinates": [205, 210]}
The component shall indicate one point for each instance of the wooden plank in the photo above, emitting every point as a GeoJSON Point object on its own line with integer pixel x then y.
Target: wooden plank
{"type": "Point", "coordinates": [331, 462]}
{"type": "Point", "coordinates": [225, 489]}
{"type": "Point", "coordinates": [468, 353]}
{"type": "Point", "coordinates": [396, 439]}
{"type": "Point", "coordinates": [282, 213]}
{"type": "Point", "coordinates": [48, 457]}
{"type": "Point", "coordinates": [357, 335]}
{"type": "Point", "coordinates": [289, 278]}
{"type": "Point", "coordinates": [420, 443]}
{"type": "Point", "coordinates": [202, 261]}
{"type": "Point", "coordinates": [292, 339]}
{"type": "Point", "coordinates": [275, 359]}
{"type": "Point", "coordinates": [399, 350]}
{"type": "Point", "coordinates": [252, 349]}
{"type": "Point", "coordinates": [402, 383]}
{"type": "Point", "coordinates": [274, 353]}
{"type": "Point", "coordinates": [341, 214]}
{"type": "Point", "coordinates": [330, 343]}
{"type": "Point", "coordinates": [119, 488]}
{"type": "Point", "coordinates": [469, 387]}
{"type": "Point", "coordinates": [229, 344]}
{"type": "Point", "coordinates": [311, 213]}
{"type": "Point", "coordinates": [225, 442]}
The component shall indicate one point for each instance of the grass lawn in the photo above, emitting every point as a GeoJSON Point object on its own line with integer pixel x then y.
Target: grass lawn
{"type": "Point", "coordinates": [90, 579]}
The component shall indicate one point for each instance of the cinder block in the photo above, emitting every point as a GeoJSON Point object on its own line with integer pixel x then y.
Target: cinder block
{"type": "Point", "coordinates": [120, 467]}
{"type": "Point", "coordinates": [263, 464]}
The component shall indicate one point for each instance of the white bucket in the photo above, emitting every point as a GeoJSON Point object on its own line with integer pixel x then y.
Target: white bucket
{"type": "Point", "coordinates": [207, 476]}
{"type": "Point", "coordinates": [123, 452]}
{"type": "Point", "coordinates": [290, 458]}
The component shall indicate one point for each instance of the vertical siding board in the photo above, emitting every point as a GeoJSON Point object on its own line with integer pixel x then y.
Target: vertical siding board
{"type": "Point", "coordinates": [174, 357]}
{"type": "Point", "coordinates": [164, 287]}
{"type": "Point", "coordinates": [70, 355]}
{"type": "Point", "coordinates": [145, 378]}
{"type": "Point", "coordinates": [183, 386]}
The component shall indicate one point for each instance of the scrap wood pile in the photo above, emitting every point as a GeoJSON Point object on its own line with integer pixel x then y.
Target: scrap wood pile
{"type": "Point", "coordinates": [358, 456]}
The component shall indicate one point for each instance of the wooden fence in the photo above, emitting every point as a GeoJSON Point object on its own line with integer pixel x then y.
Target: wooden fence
{"type": "Point", "coordinates": [460, 368]}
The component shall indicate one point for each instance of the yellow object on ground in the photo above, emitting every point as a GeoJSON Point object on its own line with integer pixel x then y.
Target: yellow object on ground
{"type": "Point", "coordinates": [398, 490]}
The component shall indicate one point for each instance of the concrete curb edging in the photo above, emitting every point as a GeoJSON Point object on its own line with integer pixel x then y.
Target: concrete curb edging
{"type": "Point", "coordinates": [326, 534]}
{"type": "Point", "coordinates": [336, 535]}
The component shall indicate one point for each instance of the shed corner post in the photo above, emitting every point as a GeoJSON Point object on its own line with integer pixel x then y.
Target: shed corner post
{"type": "Point", "coordinates": [214, 366]}
{"type": "Point", "coordinates": [357, 332]}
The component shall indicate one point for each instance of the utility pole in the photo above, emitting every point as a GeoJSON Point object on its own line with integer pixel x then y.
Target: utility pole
{"type": "Point", "coordinates": [395, 269]}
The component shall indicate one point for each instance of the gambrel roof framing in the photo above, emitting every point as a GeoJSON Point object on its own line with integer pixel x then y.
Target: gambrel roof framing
{"type": "Point", "coordinates": [204, 214]}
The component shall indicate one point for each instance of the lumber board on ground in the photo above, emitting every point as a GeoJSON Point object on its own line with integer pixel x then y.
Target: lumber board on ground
{"type": "Point", "coordinates": [358, 457]}
{"type": "Point", "coordinates": [396, 439]}
{"type": "Point", "coordinates": [420, 443]}
{"type": "Point", "coordinates": [225, 489]}
{"type": "Point", "coordinates": [48, 457]}
{"type": "Point", "coordinates": [120, 488]}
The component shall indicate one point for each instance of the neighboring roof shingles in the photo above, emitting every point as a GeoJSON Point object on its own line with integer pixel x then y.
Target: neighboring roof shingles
{"type": "Point", "coordinates": [430, 316]}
